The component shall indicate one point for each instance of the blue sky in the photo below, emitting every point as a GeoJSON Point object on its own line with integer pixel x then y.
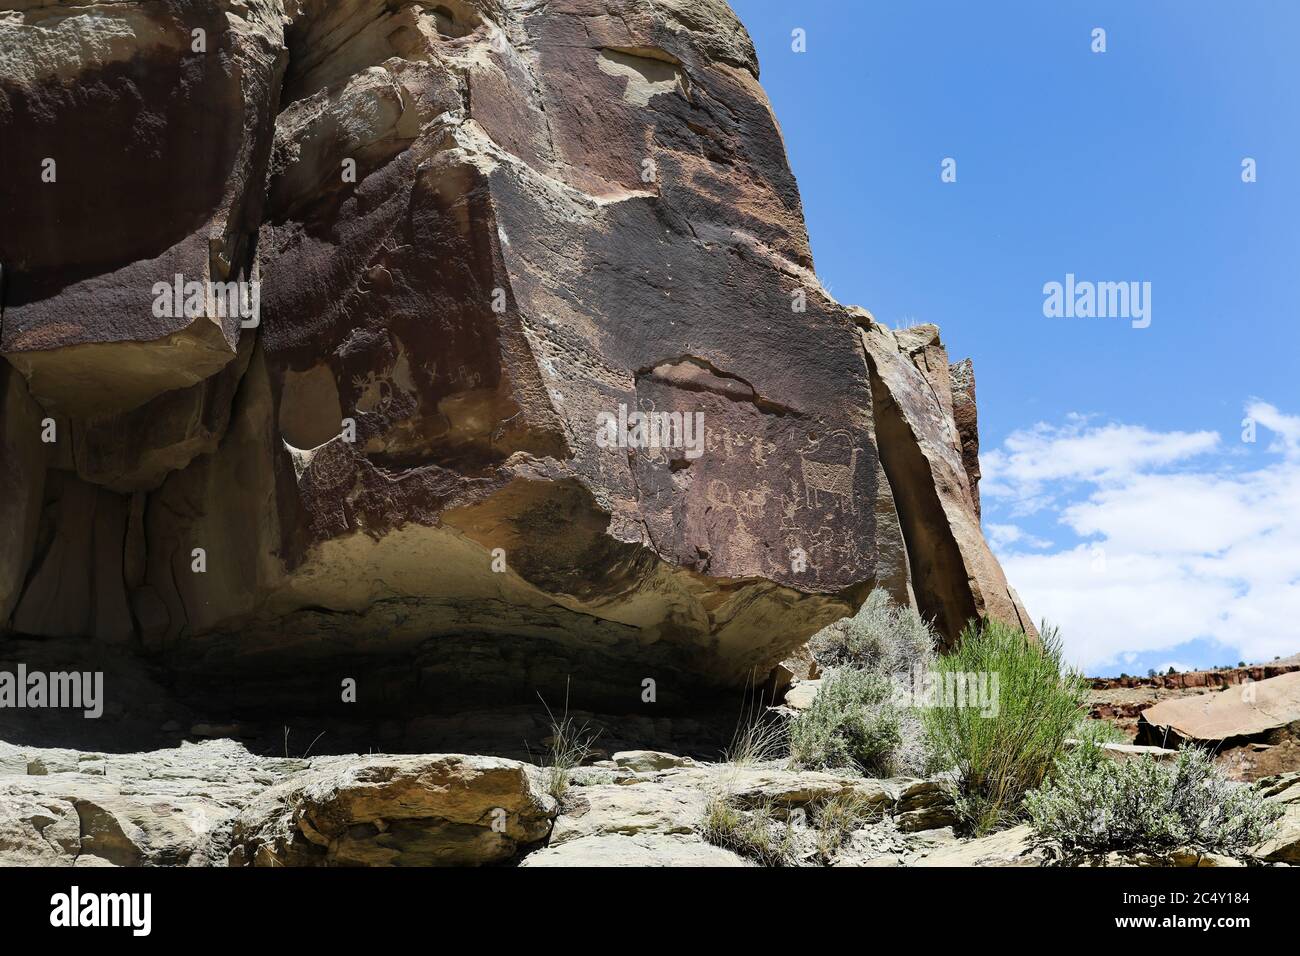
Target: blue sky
{"type": "Point", "coordinates": [1119, 491]}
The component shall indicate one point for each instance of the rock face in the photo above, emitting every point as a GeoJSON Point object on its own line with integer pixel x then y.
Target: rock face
{"type": "Point", "coordinates": [641, 812]}
{"type": "Point", "coordinates": [71, 808]}
{"type": "Point", "coordinates": [953, 572]}
{"type": "Point", "coordinates": [1190, 680]}
{"type": "Point", "coordinates": [488, 327]}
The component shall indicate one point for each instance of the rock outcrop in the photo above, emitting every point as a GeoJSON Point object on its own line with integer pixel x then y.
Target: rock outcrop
{"type": "Point", "coordinates": [489, 325]}
{"type": "Point", "coordinates": [448, 810]}
{"type": "Point", "coordinates": [1195, 680]}
{"type": "Point", "coordinates": [215, 804]}
{"type": "Point", "coordinates": [1248, 711]}
{"type": "Point", "coordinates": [1284, 845]}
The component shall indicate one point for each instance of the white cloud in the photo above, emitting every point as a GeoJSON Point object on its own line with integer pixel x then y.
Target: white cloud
{"type": "Point", "coordinates": [1175, 547]}
{"type": "Point", "coordinates": [1285, 427]}
{"type": "Point", "coordinates": [1045, 456]}
{"type": "Point", "coordinates": [1005, 535]}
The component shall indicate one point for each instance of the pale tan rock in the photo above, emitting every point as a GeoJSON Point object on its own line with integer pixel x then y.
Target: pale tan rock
{"type": "Point", "coordinates": [756, 786]}
{"type": "Point", "coordinates": [395, 811]}
{"type": "Point", "coordinates": [1123, 753]}
{"type": "Point", "coordinates": [922, 805]}
{"type": "Point", "coordinates": [1284, 845]}
{"type": "Point", "coordinates": [648, 849]}
{"type": "Point", "coordinates": [1241, 711]}
{"type": "Point", "coordinates": [645, 761]}
{"type": "Point", "coordinates": [629, 809]}
{"type": "Point", "coordinates": [1179, 859]}
{"type": "Point", "coordinates": [165, 808]}
{"type": "Point", "coordinates": [801, 695]}
{"type": "Point", "coordinates": [1005, 848]}
{"type": "Point", "coordinates": [213, 803]}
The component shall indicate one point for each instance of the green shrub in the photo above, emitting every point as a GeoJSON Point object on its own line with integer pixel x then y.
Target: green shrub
{"type": "Point", "coordinates": [852, 724]}
{"type": "Point", "coordinates": [882, 638]}
{"type": "Point", "coordinates": [999, 756]}
{"type": "Point", "coordinates": [1093, 804]}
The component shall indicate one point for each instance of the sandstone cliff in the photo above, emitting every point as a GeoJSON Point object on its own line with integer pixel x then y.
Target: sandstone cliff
{"type": "Point", "coordinates": [469, 236]}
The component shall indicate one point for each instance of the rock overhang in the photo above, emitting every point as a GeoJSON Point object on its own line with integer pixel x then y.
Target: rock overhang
{"type": "Point", "coordinates": [555, 217]}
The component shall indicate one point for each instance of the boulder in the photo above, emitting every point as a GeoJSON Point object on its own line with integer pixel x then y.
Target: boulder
{"type": "Point", "coordinates": [761, 786]}
{"type": "Point", "coordinates": [1240, 712]}
{"type": "Point", "coordinates": [630, 809]}
{"type": "Point", "coordinates": [446, 810]}
{"type": "Point", "coordinates": [646, 761]}
{"type": "Point", "coordinates": [924, 805]}
{"type": "Point", "coordinates": [655, 818]}
{"type": "Point", "coordinates": [215, 804]}
{"type": "Point", "coordinates": [801, 695]}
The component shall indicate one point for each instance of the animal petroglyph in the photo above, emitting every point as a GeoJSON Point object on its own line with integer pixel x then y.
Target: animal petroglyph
{"type": "Point", "coordinates": [821, 477]}
{"type": "Point", "coordinates": [748, 503]}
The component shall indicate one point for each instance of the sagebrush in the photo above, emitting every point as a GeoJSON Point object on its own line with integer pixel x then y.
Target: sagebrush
{"type": "Point", "coordinates": [851, 725]}
{"type": "Point", "coordinates": [1093, 804]}
{"type": "Point", "coordinates": [855, 722]}
{"type": "Point", "coordinates": [882, 637]}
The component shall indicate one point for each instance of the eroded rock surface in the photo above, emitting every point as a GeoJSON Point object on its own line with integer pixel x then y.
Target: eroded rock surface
{"type": "Point", "coordinates": [169, 807]}
{"type": "Point", "coordinates": [1284, 845]}
{"type": "Point", "coordinates": [450, 810]}
{"type": "Point", "coordinates": [1248, 711]}
{"type": "Point", "coordinates": [480, 236]}
{"type": "Point", "coordinates": [215, 804]}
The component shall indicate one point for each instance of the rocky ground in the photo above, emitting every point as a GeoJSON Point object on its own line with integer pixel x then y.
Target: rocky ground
{"type": "Point", "coordinates": [216, 804]}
